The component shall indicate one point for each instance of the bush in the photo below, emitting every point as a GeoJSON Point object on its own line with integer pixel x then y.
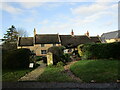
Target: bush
{"type": "Point", "coordinates": [67, 57]}
{"type": "Point", "coordinates": [38, 58]}
{"type": "Point", "coordinates": [19, 58]}
{"type": "Point", "coordinates": [57, 52]}
{"type": "Point", "coordinates": [44, 58]}
{"type": "Point", "coordinates": [60, 64]}
{"type": "Point", "coordinates": [100, 51]}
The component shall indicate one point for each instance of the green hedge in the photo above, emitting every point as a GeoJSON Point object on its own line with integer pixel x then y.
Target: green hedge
{"type": "Point", "coordinates": [57, 52]}
{"type": "Point", "coordinates": [13, 59]}
{"type": "Point", "coordinates": [100, 51]}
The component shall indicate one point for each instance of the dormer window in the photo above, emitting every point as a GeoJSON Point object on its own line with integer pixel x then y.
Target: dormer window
{"type": "Point", "coordinates": [42, 45]}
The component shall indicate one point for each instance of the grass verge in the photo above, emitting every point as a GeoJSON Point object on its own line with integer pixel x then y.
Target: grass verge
{"type": "Point", "coordinates": [97, 70]}
{"type": "Point", "coordinates": [54, 74]}
{"type": "Point", "coordinates": [13, 75]}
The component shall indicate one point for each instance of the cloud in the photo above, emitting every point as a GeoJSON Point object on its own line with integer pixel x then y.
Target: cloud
{"type": "Point", "coordinates": [89, 9]}
{"type": "Point", "coordinates": [44, 22]}
{"type": "Point", "coordinates": [29, 5]}
{"type": "Point", "coordinates": [92, 12]}
{"type": "Point", "coordinates": [10, 9]}
{"type": "Point", "coordinates": [59, 0]}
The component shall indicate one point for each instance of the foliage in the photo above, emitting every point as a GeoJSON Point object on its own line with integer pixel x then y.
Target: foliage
{"type": "Point", "coordinates": [54, 74]}
{"type": "Point", "coordinates": [10, 39]}
{"type": "Point", "coordinates": [57, 52]}
{"type": "Point", "coordinates": [80, 49]}
{"type": "Point", "coordinates": [101, 51]}
{"type": "Point", "coordinates": [97, 70]}
{"type": "Point", "coordinates": [44, 58]}
{"type": "Point", "coordinates": [11, 35]}
{"type": "Point", "coordinates": [38, 58]}
{"type": "Point", "coordinates": [67, 57]}
{"type": "Point", "coordinates": [13, 75]}
{"type": "Point", "coordinates": [19, 58]}
{"type": "Point", "coordinates": [60, 64]}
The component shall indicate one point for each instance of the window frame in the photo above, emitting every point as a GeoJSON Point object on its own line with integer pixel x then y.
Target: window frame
{"type": "Point", "coordinates": [43, 51]}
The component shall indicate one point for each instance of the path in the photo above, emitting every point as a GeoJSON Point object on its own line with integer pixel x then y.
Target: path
{"type": "Point", "coordinates": [68, 71]}
{"type": "Point", "coordinates": [34, 75]}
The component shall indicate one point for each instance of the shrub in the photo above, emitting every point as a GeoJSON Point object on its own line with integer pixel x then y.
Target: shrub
{"type": "Point", "coordinates": [19, 58]}
{"type": "Point", "coordinates": [67, 57]}
{"type": "Point", "coordinates": [60, 64]}
{"type": "Point", "coordinates": [57, 52]}
{"type": "Point", "coordinates": [44, 58]}
{"type": "Point", "coordinates": [100, 51]}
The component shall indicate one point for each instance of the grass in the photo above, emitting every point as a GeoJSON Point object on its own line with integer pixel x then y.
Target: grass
{"type": "Point", "coordinates": [97, 70]}
{"type": "Point", "coordinates": [54, 74]}
{"type": "Point", "coordinates": [14, 75]}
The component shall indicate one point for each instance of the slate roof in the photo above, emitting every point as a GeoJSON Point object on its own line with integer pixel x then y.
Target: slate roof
{"type": "Point", "coordinates": [25, 41]}
{"type": "Point", "coordinates": [46, 39]}
{"type": "Point", "coordinates": [73, 41]}
{"type": "Point", "coordinates": [110, 35]}
{"type": "Point", "coordinates": [96, 39]}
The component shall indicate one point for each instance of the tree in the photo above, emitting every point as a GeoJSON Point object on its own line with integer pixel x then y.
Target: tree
{"type": "Point", "coordinates": [22, 32]}
{"type": "Point", "coordinates": [11, 35]}
{"type": "Point", "coordinates": [10, 39]}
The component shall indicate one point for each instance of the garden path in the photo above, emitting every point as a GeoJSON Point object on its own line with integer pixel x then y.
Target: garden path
{"type": "Point", "coordinates": [68, 71]}
{"type": "Point", "coordinates": [34, 75]}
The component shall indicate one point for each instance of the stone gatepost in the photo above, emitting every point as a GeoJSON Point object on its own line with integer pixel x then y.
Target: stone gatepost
{"type": "Point", "coordinates": [49, 58]}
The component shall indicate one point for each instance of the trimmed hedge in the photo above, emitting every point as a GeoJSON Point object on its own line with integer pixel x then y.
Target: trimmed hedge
{"type": "Point", "coordinates": [100, 51]}
{"type": "Point", "coordinates": [57, 52]}
{"type": "Point", "coordinates": [19, 58]}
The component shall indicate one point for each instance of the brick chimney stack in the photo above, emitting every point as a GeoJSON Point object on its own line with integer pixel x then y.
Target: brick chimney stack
{"type": "Point", "coordinates": [87, 33]}
{"type": "Point", "coordinates": [72, 33]}
{"type": "Point", "coordinates": [34, 31]}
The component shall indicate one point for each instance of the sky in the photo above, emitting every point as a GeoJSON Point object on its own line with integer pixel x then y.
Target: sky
{"type": "Point", "coordinates": [60, 17]}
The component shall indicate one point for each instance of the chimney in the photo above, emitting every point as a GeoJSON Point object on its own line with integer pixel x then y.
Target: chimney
{"type": "Point", "coordinates": [72, 33]}
{"type": "Point", "coordinates": [34, 31]}
{"type": "Point", "coordinates": [87, 33]}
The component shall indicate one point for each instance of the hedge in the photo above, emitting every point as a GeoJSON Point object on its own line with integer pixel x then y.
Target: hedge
{"type": "Point", "coordinates": [58, 54]}
{"type": "Point", "coordinates": [100, 51]}
{"type": "Point", "coordinates": [19, 58]}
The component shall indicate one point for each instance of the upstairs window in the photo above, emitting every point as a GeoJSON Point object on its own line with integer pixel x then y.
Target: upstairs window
{"type": "Point", "coordinates": [43, 52]}
{"type": "Point", "coordinates": [42, 45]}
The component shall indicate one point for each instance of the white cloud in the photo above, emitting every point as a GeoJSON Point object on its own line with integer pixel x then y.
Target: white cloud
{"type": "Point", "coordinates": [92, 12]}
{"type": "Point", "coordinates": [29, 5]}
{"type": "Point", "coordinates": [10, 9]}
{"type": "Point", "coordinates": [44, 22]}
{"type": "Point", "coordinates": [89, 9]}
{"type": "Point", "coordinates": [59, 0]}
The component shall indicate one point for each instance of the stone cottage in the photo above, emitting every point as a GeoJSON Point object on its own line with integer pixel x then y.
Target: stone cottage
{"type": "Point", "coordinates": [41, 42]}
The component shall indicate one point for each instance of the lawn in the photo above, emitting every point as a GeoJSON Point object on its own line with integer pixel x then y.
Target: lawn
{"type": "Point", "coordinates": [54, 74]}
{"type": "Point", "coordinates": [14, 75]}
{"type": "Point", "coordinates": [97, 70]}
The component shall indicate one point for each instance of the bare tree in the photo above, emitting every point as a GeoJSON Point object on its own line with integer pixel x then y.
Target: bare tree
{"type": "Point", "coordinates": [22, 32]}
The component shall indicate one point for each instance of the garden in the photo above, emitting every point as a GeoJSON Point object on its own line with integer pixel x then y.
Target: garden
{"type": "Point", "coordinates": [98, 63]}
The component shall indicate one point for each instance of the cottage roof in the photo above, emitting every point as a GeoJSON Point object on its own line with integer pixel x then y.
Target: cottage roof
{"type": "Point", "coordinates": [110, 35]}
{"type": "Point", "coordinates": [25, 41]}
{"type": "Point", "coordinates": [46, 38]}
{"type": "Point", "coordinates": [95, 39]}
{"type": "Point", "coordinates": [73, 41]}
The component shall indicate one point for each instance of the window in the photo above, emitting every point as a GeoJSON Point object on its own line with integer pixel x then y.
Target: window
{"type": "Point", "coordinates": [54, 44]}
{"type": "Point", "coordinates": [42, 45]}
{"type": "Point", "coordinates": [43, 52]}
{"type": "Point", "coordinates": [70, 50]}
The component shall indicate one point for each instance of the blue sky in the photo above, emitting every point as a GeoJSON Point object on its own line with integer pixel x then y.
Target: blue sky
{"type": "Point", "coordinates": [60, 17]}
